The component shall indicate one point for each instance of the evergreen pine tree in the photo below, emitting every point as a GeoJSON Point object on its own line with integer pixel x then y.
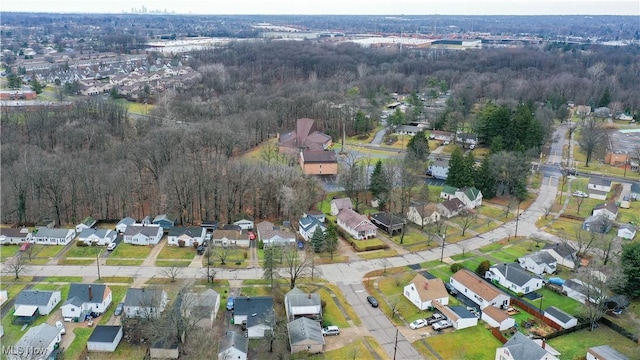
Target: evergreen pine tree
{"type": "Point", "coordinates": [318, 240]}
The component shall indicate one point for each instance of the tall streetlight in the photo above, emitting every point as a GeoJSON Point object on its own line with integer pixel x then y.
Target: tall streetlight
{"type": "Point", "coordinates": [98, 260]}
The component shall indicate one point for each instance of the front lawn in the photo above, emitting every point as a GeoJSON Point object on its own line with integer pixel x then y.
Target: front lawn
{"type": "Point", "coordinates": [331, 314]}
{"type": "Point", "coordinates": [46, 251]}
{"type": "Point", "coordinates": [121, 262]}
{"type": "Point", "coordinates": [65, 279]}
{"type": "Point", "coordinates": [117, 294]}
{"type": "Point", "coordinates": [83, 251]}
{"type": "Point", "coordinates": [177, 252]}
{"type": "Point", "coordinates": [77, 262]}
{"type": "Point", "coordinates": [574, 345]}
{"type": "Point", "coordinates": [175, 263]}
{"type": "Point", "coordinates": [128, 251]}
{"type": "Point", "coordinates": [377, 254]}
{"type": "Point", "coordinates": [7, 251]}
{"type": "Point", "coordinates": [471, 343]}
{"type": "Point", "coordinates": [115, 279]}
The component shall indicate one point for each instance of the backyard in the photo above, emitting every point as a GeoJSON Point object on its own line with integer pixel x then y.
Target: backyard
{"type": "Point", "coordinates": [574, 346]}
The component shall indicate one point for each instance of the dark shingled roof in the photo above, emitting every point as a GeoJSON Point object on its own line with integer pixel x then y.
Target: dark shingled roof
{"type": "Point", "coordinates": [235, 340]}
{"type": "Point", "coordinates": [34, 297]}
{"type": "Point", "coordinates": [514, 273]}
{"type": "Point", "coordinates": [558, 314]}
{"type": "Point", "coordinates": [105, 333]}
{"type": "Point", "coordinates": [259, 305]}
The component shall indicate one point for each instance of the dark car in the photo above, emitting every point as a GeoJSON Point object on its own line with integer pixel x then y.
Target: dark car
{"type": "Point", "coordinates": [200, 250]}
{"type": "Point", "coordinates": [450, 289]}
{"type": "Point", "coordinates": [119, 309]}
{"type": "Point", "coordinates": [373, 301]}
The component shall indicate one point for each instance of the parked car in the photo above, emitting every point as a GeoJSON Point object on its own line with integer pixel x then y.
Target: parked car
{"type": "Point", "coordinates": [581, 194]}
{"type": "Point", "coordinates": [61, 328]}
{"type": "Point", "coordinates": [450, 289]}
{"type": "Point", "coordinates": [330, 330]}
{"type": "Point", "coordinates": [417, 324]}
{"type": "Point", "coordinates": [373, 301]}
{"type": "Point", "coordinates": [200, 250]}
{"type": "Point", "coordinates": [435, 318]}
{"type": "Point", "coordinates": [230, 304]}
{"type": "Point", "coordinates": [441, 325]}
{"type": "Point", "coordinates": [119, 309]}
{"type": "Point", "coordinates": [112, 246]}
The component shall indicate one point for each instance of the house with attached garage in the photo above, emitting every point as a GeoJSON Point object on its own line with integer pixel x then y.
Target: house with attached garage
{"type": "Point", "coordinates": [47, 236]}
{"type": "Point", "coordinates": [143, 234]}
{"type": "Point", "coordinates": [563, 253]}
{"type": "Point", "coordinates": [245, 224]}
{"type": "Point", "coordinates": [84, 299]}
{"type": "Point", "coordinates": [186, 236]}
{"type": "Point", "coordinates": [99, 237]}
{"type": "Point", "coordinates": [233, 345]}
{"type": "Point", "coordinates": [460, 316]}
{"type": "Point", "coordinates": [14, 236]}
{"type": "Point", "coordinates": [305, 335]}
{"type": "Point", "coordinates": [87, 223]}
{"type": "Point", "coordinates": [255, 313]}
{"type": "Point", "coordinates": [308, 224]}
{"type": "Point", "coordinates": [421, 213]}
{"type": "Point", "coordinates": [356, 225]}
{"type": "Point", "coordinates": [43, 339]}
{"type": "Point", "coordinates": [478, 290]}
{"type": "Point", "coordinates": [539, 263]}
{"type": "Point", "coordinates": [598, 188]}
{"type": "Point", "coordinates": [514, 278]}
{"type": "Point", "coordinates": [391, 224]}
{"type": "Point", "coordinates": [105, 338]}
{"type": "Point", "coordinates": [450, 208]}
{"type": "Point", "coordinates": [164, 221]}
{"type": "Point", "coordinates": [441, 135]}
{"type": "Point", "coordinates": [297, 304]}
{"type": "Point", "coordinates": [238, 238]}
{"type": "Point", "coordinates": [423, 292]}
{"type": "Point", "coordinates": [439, 169]}
{"type": "Point", "coordinates": [30, 302]}
{"type": "Point", "coordinates": [496, 317]}
{"type": "Point", "coordinates": [121, 226]}
{"type": "Point", "coordinates": [338, 205]}
{"type": "Point", "coordinates": [145, 303]}
{"type": "Point", "coordinates": [560, 317]}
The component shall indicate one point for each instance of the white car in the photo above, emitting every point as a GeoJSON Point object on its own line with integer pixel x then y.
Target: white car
{"type": "Point", "coordinates": [417, 324]}
{"type": "Point", "coordinates": [61, 328]}
{"type": "Point", "coordinates": [581, 194]}
{"type": "Point", "coordinates": [330, 330]}
{"type": "Point", "coordinates": [112, 246]}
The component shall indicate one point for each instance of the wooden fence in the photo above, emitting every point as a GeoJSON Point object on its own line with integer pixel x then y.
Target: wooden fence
{"type": "Point", "coordinates": [533, 311]}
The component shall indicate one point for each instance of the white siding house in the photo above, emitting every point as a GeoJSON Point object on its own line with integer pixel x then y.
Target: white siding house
{"type": "Point", "coordinates": [338, 205]}
{"type": "Point", "coordinates": [42, 338]}
{"type": "Point", "coordinates": [99, 237]}
{"type": "Point", "coordinates": [187, 236]}
{"type": "Point", "coordinates": [356, 225]}
{"type": "Point", "coordinates": [423, 213]}
{"type": "Point", "coordinates": [539, 263]}
{"type": "Point", "coordinates": [14, 236]}
{"type": "Point", "coordinates": [143, 235]}
{"type": "Point", "coordinates": [497, 318]}
{"type": "Point", "coordinates": [121, 226]}
{"type": "Point", "coordinates": [478, 290]}
{"type": "Point", "coordinates": [422, 292]}
{"type": "Point", "coordinates": [439, 169]}
{"type": "Point", "coordinates": [145, 303]}
{"type": "Point", "coordinates": [83, 299]}
{"type": "Point", "coordinates": [47, 236]}
{"type": "Point", "coordinates": [514, 278]}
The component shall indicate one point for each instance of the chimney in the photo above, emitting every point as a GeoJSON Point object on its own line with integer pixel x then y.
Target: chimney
{"type": "Point", "coordinates": [90, 293]}
{"type": "Point", "coordinates": [426, 285]}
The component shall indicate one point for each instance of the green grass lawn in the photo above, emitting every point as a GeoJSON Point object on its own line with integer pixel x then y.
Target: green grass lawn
{"type": "Point", "coordinates": [377, 254]}
{"type": "Point", "coordinates": [550, 298]}
{"type": "Point", "coordinates": [79, 342]}
{"type": "Point", "coordinates": [630, 215]}
{"type": "Point", "coordinates": [120, 262]}
{"type": "Point", "coordinates": [574, 346]}
{"type": "Point", "coordinates": [67, 279]}
{"type": "Point", "coordinates": [46, 251]}
{"type": "Point", "coordinates": [491, 247]}
{"type": "Point", "coordinates": [411, 236]}
{"type": "Point", "coordinates": [77, 262]}
{"type": "Point", "coordinates": [170, 263]}
{"type": "Point", "coordinates": [7, 251]}
{"type": "Point", "coordinates": [117, 294]}
{"type": "Point", "coordinates": [115, 279]}
{"type": "Point", "coordinates": [356, 350]}
{"type": "Point", "coordinates": [128, 251]}
{"type": "Point", "coordinates": [123, 351]}
{"type": "Point", "coordinates": [176, 252]}
{"type": "Point", "coordinates": [471, 343]}
{"type": "Point", "coordinates": [331, 313]}
{"type": "Point", "coordinates": [83, 251]}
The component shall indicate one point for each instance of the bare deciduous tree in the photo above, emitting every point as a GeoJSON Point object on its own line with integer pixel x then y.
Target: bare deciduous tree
{"type": "Point", "coordinates": [297, 267]}
{"type": "Point", "coordinates": [16, 266]}
{"type": "Point", "coordinates": [172, 272]}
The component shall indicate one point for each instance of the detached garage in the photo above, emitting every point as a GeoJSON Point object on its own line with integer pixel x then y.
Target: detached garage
{"type": "Point", "coordinates": [105, 338]}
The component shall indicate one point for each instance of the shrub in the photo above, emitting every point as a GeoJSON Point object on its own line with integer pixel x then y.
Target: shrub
{"type": "Point", "coordinates": [238, 262]}
{"type": "Point", "coordinates": [483, 267]}
{"type": "Point", "coordinates": [260, 244]}
{"type": "Point", "coordinates": [455, 267]}
{"type": "Point", "coordinates": [81, 244]}
{"type": "Point", "coordinates": [245, 255]}
{"type": "Point", "coordinates": [181, 243]}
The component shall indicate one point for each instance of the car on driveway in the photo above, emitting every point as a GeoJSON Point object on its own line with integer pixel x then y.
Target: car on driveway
{"type": "Point", "coordinates": [373, 301]}
{"type": "Point", "coordinates": [441, 325]}
{"type": "Point", "coordinates": [434, 318]}
{"type": "Point", "coordinates": [330, 330]}
{"type": "Point", "coordinates": [112, 246]}
{"type": "Point", "coordinates": [230, 304]}
{"type": "Point", "coordinates": [581, 194]}
{"type": "Point", "coordinates": [60, 327]}
{"type": "Point", "coordinates": [119, 309]}
{"type": "Point", "coordinates": [450, 289]}
{"type": "Point", "coordinates": [417, 324]}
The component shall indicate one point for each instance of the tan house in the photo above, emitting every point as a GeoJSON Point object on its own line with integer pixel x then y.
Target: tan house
{"type": "Point", "coordinates": [340, 204]}
{"type": "Point", "coordinates": [422, 292]}
{"type": "Point", "coordinates": [423, 213]}
{"type": "Point", "coordinates": [322, 162]}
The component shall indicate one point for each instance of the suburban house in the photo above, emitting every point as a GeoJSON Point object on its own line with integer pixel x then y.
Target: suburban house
{"type": "Point", "coordinates": [520, 347]}
{"type": "Point", "coordinates": [255, 313]}
{"type": "Point", "coordinates": [164, 221]}
{"type": "Point", "coordinates": [608, 210]}
{"type": "Point", "coordinates": [321, 162]}
{"type": "Point", "coordinates": [422, 214]}
{"type": "Point", "coordinates": [230, 238]}
{"type": "Point", "coordinates": [356, 225]}
{"type": "Point", "coordinates": [245, 224]}
{"type": "Point", "coordinates": [14, 236]}
{"type": "Point", "coordinates": [597, 224]}
{"type": "Point", "coordinates": [496, 317]}
{"type": "Point", "coordinates": [147, 220]}
{"type": "Point", "coordinates": [99, 237]}
{"type": "Point", "coordinates": [87, 223]}
{"type": "Point", "coordinates": [44, 338]}
{"type": "Point", "coordinates": [460, 317]}
{"type": "Point", "coordinates": [305, 335]}
{"type": "Point", "coordinates": [391, 224]}
{"type": "Point", "coordinates": [478, 290]}
{"type": "Point", "coordinates": [604, 352]}
{"type": "Point", "coordinates": [560, 317]}
{"type": "Point", "coordinates": [539, 263]}
{"type": "Point", "coordinates": [297, 304]}
{"type": "Point", "coordinates": [410, 130]}
{"type": "Point", "coordinates": [598, 188]}
{"type": "Point", "coordinates": [450, 208]}
{"type": "Point", "coordinates": [563, 253]}
{"type": "Point", "coordinates": [143, 234]}
{"type": "Point", "coordinates": [422, 292]}
{"type": "Point", "coordinates": [439, 169]}
{"type": "Point", "coordinates": [580, 291]}
{"type": "Point", "coordinates": [271, 234]}
{"type": "Point", "coordinates": [304, 137]}
{"type": "Point", "coordinates": [471, 197]}
{"type": "Point", "coordinates": [441, 135]}
{"type": "Point", "coordinates": [514, 278]}
{"type": "Point", "coordinates": [186, 236]}
{"type": "Point", "coordinates": [338, 205]}
{"type": "Point", "coordinates": [144, 302]}
{"type": "Point", "coordinates": [209, 225]}
{"type": "Point", "coordinates": [467, 138]}
{"type": "Point", "coordinates": [29, 301]}
{"type": "Point", "coordinates": [308, 224]}
{"type": "Point", "coordinates": [47, 236]}
{"type": "Point", "coordinates": [105, 338]}
{"type": "Point", "coordinates": [167, 347]}
{"type": "Point", "coordinates": [121, 226]}
{"type": "Point", "coordinates": [233, 345]}
{"type": "Point", "coordinates": [627, 231]}
{"type": "Point", "coordinates": [84, 299]}
{"type": "Point", "coordinates": [203, 305]}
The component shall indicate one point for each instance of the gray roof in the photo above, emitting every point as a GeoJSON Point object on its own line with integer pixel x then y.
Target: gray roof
{"type": "Point", "coordinates": [297, 297]}
{"type": "Point", "coordinates": [205, 300]}
{"type": "Point", "coordinates": [440, 163]}
{"type": "Point", "coordinates": [139, 229]}
{"type": "Point", "coordinates": [101, 233]}
{"type": "Point", "coordinates": [514, 273]}
{"type": "Point", "coordinates": [79, 293]}
{"type": "Point", "coordinates": [563, 249]}
{"type": "Point", "coordinates": [261, 306]}
{"type": "Point", "coordinates": [105, 333]}
{"type": "Point", "coordinates": [143, 297]}
{"type": "Point", "coordinates": [599, 181]}
{"type": "Point", "coordinates": [541, 257]}
{"type": "Point", "coordinates": [127, 221]}
{"type": "Point", "coordinates": [558, 314]}
{"type": "Point", "coordinates": [303, 329]}
{"type": "Point", "coordinates": [607, 352]}
{"type": "Point", "coordinates": [523, 348]}
{"type": "Point", "coordinates": [235, 340]}
{"type": "Point", "coordinates": [462, 312]}
{"type": "Point", "coordinates": [34, 297]}
{"type": "Point", "coordinates": [52, 233]}
{"type": "Point", "coordinates": [38, 337]}
{"type": "Point", "coordinates": [190, 231]}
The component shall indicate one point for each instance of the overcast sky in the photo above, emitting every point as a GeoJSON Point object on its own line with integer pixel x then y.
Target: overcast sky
{"type": "Point", "coordinates": [337, 7]}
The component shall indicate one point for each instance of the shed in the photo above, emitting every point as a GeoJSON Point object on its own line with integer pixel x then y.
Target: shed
{"type": "Point", "coordinates": [305, 335]}
{"type": "Point", "coordinates": [604, 352]}
{"type": "Point", "coordinates": [234, 346]}
{"type": "Point", "coordinates": [105, 338]}
{"type": "Point", "coordinates": [560, 317]}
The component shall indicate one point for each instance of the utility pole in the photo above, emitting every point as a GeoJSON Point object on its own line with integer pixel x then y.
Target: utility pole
{"type": "Point", "coordinates": [443, 238]}
{"type": "Point", "coordinates": [98, 261]}
{"type": "Point", "coordinates": [395, 345]}
{"type": "Point", "coordinates": [517, 219]}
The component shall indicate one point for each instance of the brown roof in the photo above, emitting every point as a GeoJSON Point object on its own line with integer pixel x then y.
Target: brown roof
{"type": "Point", "coordinates": [321, 156]}
{"type": "Point", "coordinates": [229, 234]}
{"type": "Point", "coordinates": [343, 203]}
{"type": "Point", "coordinates": [304, 127]}
{"type": "Point", "coordinates": [476, 284]}
{"type": "Point", "coordinates": [13, 232]}
{"type": "Point", "coordinates": [429, 289]}
{"type": "Point", "coordinates": [304, 136]}
{"type": "Point", "coordinates": [495, 313]}
{"type": "Point", "coordinates": [425, 210]}
{"type": "Point", "coordinates": [264, 225]}
{"type": "Point", "coordinates": [453, 204]}
{"type": "Point", "coordinates": [446, 311]}
{"type": "Point", "coordinates": [355, 221]}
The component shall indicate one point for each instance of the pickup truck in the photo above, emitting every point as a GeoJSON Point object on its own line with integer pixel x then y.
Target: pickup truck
{"type": "Point", "coordinates": [434, 318]}
{"type": "Point", "coordinates": [441, 325]}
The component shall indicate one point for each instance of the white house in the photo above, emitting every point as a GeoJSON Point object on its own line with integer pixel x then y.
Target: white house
{"type": "Point", "coordinates": [563, 253]}
{"type": "Point", "coordinates": [105, 338]}
{"type": "Point", "coordinates": [144, 302]}
{"type": "Point", "coordinates": [627, 231]}
{"type": "Point", "coordinates": [233, 345]}
{"type": "Point", "coordinates": [423, 213]}
{"type": "Point", "coordinates": [143, 234]}
{"type": "Point", "coordinates": [47, 236]}
{"type": "Point", "coordinates": [45, 301]}
{"type": "Point", "coordinates": [580, 291]}
{"type": "Point", "coordinates": [297, 304]}
{"type": "Point", "coordinates": [604, 352]}
{"type": "Point", "coordinates": [478, 290]}
{"type": "Point", "coordinates": [560, 317]}
{"type": "Point", "coordinates": [471, 197]}
{"type": "Point", "coordinates": [42, 339]}
{"type": "Point", "coordinates": [305, 335]}
{"type": "Point", "coordinates": [83, 299]}
{"type": "Point", "coordinates": [121, 226]}
{"type": "Point", "coordinates": [520, 347]}
{"type": "Point", "coordinates": [202, 305]}
{"type": "Point", "coordinates": [539, 263]}
{"type": "Point", "coordinates": [273, 235]}
{"type": "Point", "coordinates": [99, 237]}
{"type": "Point", "coordinates": [245, 224]}
{"type": "Point", "coordinates": [356, 225]}
{"type": "Point", "coordinates": [14, 236]}
{"type": "Point", "coordinates": [441, 135]}
{"type": "Point", "coordinates": [460, 317]}
{"type": "Point", "coordinates": [230, 238]}
{"type": "Point", "coordinates": [439, 169]}
{"type": "Point", "coordinates": [598, 188]}
{"type": "Point", "coordinates": [450, 208]}
{"type": "Point", "coordinates": [608, 210]}
{"type": "Point", "coordinates": [422, 292]}
{"type": "Point", "coordinates": [256, 313]}
{"type": "Point", "coordinates": [497, 318]}
{"type": "Point", "coordinates": [338, 205]}
{"type": "Point", "coordinates": [307, 225]}
{"type": "Point", "coordinates": [87, 223]}
{"type": "Point", "coordinates": [186, 236]}
{"type": "Point", "coordinates": [514, 278]}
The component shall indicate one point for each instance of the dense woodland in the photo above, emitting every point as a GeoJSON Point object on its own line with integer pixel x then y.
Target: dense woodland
{"type": "Point", "coordinates": [93, 158]}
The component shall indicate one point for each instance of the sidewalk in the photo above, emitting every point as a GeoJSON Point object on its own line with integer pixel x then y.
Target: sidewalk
{"type": "Point", "coordinates": [150, 260]}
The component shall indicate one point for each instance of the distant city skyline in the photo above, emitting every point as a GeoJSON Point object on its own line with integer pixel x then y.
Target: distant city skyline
{"type": "Point", "coordinates": [333, 7]}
